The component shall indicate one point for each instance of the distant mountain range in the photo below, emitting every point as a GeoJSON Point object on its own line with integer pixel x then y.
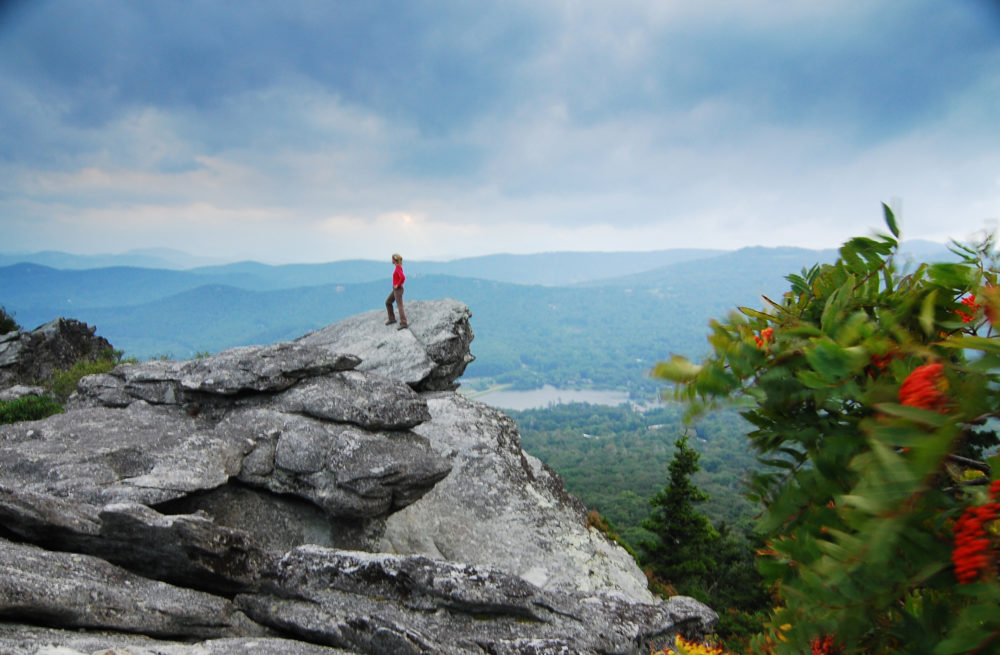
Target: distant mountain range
{"type": "Point", "coordinates": [567, 319]}
{"type": "Point", "coordinates": [144, 258]}
{"type": "Point", "coordinates": [555, 269]}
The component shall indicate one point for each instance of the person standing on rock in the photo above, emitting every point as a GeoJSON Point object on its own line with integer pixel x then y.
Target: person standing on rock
{"type": "Point", "coordinates": [397, 294]}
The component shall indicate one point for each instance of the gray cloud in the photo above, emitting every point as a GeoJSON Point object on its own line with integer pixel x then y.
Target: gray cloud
{"type": "Point", "coordinates": [747, 117]}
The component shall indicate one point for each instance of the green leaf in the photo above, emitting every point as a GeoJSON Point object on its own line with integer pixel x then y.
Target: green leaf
{"type": "Point", "coordinates": [915, 414]}
{"type": "Point", "coordinates": [890, 220]}
{"type": "Point", "coordinates": [754, 313]}
{"type": "Point", "coordinates": [994, 463]}
{"type": "Point", "coordinates": [834, 550]}
{"type": "Point", "coordinates": [799, 284]}
{"type": "Point", "coordinates": [678, 369]}
{"type": "Point", "coordinates": [958, 277]}
{"type": "Point", "coordinates": [779, 463]}
{"type": "Point", "coordinates": [846, 539]}
{"type": "Point", "coordinates": [849, 254]}
{"type": "Point", "coordinates": [927, 313]}
{"type": "Point", "coordinates": [802, 330]}
{"type": "Point", "coordinates": [984, 344]}
{"type": "Point", "coordinates": [832, 361]}
{"type": "Point", "coordinates": [976, 627]}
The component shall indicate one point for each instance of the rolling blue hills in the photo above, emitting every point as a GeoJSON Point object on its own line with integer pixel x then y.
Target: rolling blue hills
{"type": "Point", "coordinates": [606, 330]}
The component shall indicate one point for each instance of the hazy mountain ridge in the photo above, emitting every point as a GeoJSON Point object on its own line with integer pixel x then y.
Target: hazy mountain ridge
{"type": "Point", "coordinates": [761, 263]}
{"type": "Point", "coordinates": [167, 258]}
{"type": "Point", "coordinates": [606, 333]}
{"type": "Point", "coordinates": [555, 269]}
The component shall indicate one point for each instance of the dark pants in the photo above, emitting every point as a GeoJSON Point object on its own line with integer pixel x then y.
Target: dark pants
{"type": "Point", "coordinates": [397, 295]}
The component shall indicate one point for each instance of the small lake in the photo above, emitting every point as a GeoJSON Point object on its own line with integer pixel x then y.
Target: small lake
{"type": "Point", "coordinates": [548, 395]}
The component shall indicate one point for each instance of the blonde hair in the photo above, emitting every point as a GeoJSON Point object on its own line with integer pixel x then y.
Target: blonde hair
{"type": "Point", "coordinates": [396, 257]}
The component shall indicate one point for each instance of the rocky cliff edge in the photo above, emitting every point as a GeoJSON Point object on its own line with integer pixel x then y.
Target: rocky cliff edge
{"type": "Point", "coordinates": [328, 495]}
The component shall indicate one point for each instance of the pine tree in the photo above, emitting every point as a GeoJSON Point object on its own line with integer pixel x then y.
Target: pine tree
{"type": "Point", "coordinates": [681, 552]}
{"type": "Point", "coordinates": [696, 559]}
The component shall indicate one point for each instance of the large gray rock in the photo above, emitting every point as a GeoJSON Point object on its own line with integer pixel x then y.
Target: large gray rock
{"type": "Point", "coordinates": [81, 591]}
{"type": "Point", "coordinates": [220, 505]}
{"type": "Point", "coordinates": [377, 603]}
{"type": "Point", "coordinates": [141, 454]}
{"type": "Point", "coordinates": [428, 356]}
{"type": "Point", "coordinates": [344, 469]}
{"type": "Point", "coordinates": [155, 454]}
{"type": "Point", "coordinates": [28, 357]}
{"type": "Point", "coordinates": [278, 522]}
{"type": "Point", "coordinates": [501, 507]}
{"type": "Point", "coordinates": [367, 400]}
{"type": "Point", "coordinates": [214, 379]}
{"type": "Point", "coordinates": [188, 550]}
{"type": "Point", "coordinates": [32, 640]}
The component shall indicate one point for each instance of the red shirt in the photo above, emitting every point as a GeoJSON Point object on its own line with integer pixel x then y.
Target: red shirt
{"type": "Point", "coordinates": [397, 277]}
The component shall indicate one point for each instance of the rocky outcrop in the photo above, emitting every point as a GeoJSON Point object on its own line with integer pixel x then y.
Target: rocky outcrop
{"type": "Point", "coordinates": [430, 356]}
{"type": "Point", "coordinates": [327, 495]}
{"type": "Point", "coordinates": [502, 507]}
{"type": "Point", "coordinates": [377, 603]}
{"type": "Point", "coordinates": [28, 357]}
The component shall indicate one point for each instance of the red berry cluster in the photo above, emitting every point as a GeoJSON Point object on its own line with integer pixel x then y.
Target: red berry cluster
{"type": "Point", "coordinates": [879, 363]}
{"type": "Point", "coordinates": [971, 555]}
{"type": "Point", "coordinates": [970, 302]}
{"type": "Point", "coordinates": [823, 646]}
{"type": "Point", "coordinates": [925, 388]}
{"type": "Point", "coordinates": [765, 337]}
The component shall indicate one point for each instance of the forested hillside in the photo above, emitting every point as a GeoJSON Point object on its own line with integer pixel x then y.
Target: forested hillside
{"type": "Point", "coordinates": [605, 335]}
{"type": "Point", "coordinates": [615, 458]}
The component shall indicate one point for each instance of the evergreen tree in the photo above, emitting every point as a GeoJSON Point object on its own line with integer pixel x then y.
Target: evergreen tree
{"type": "Point", "coordinates": [697, 560]}
{"type": "Point", "coordinates": [682, 550]}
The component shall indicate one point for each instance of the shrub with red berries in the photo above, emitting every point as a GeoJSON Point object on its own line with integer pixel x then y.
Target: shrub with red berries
{"type": "Point", "coordinates": [871, 418]}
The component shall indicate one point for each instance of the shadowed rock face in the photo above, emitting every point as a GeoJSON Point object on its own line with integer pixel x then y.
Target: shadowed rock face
{"type": "Point", "coordinates": [328, 495]}
{"type": "Point", "coordinates": [27, 357]}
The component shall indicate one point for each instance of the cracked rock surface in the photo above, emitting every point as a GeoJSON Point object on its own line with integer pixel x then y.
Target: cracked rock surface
{"type": "Point", "coordinates": [328, 495]}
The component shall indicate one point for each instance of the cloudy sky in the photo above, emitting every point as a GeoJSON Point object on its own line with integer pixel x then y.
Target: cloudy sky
{"type": "Point", "coordinates": [321, 130]}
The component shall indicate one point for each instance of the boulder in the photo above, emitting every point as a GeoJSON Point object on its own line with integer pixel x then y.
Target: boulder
{"type": "Point", "coordinates": [429, 356]}
{"type": "Point", "coordinates": [343, 469]}
{"type": "Point", "coordinates": [29, 357]}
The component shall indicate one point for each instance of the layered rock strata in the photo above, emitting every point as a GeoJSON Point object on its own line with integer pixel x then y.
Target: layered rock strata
{"type": "Point", "coordinates": [328, 495]}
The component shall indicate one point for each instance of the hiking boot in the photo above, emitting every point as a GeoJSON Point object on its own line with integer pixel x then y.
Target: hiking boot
{"type": "Point", "coordinates": [402, 326]}
{"type": "Point", "coordinates": [390, 321]}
